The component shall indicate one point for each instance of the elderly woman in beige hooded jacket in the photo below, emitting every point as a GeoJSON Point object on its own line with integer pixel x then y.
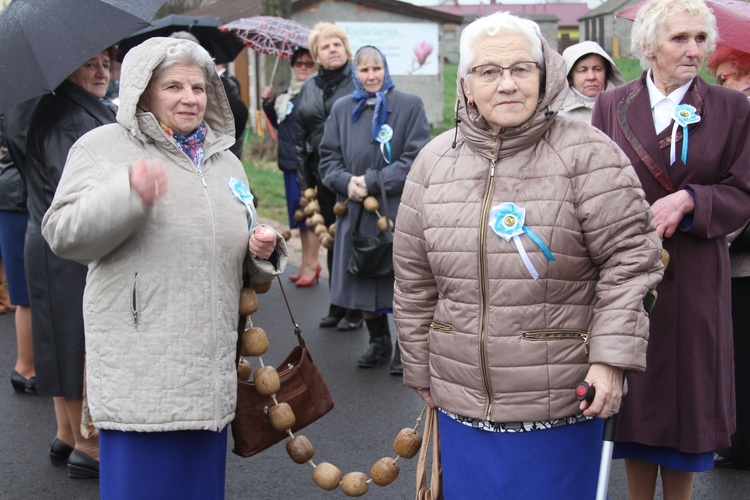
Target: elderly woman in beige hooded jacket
{"type": "Point", "coordinates": [523, 251]}
{"type": "Point", "coordinates": [590, 71]}
{"type": "Point", "coordinates": [159, 209]}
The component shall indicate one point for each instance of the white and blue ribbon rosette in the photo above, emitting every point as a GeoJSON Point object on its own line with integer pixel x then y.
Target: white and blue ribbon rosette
{"type": "Point", "coordinates": [684, 115]}
{"type": "Point", "coordinates": [242, 193]}
{"type": "Point", "coordinates": [384, 138]}
{"type": "Point", "coordinates": [507, 220]}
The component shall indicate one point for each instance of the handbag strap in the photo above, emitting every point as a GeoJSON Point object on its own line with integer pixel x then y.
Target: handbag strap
{"type": "Point", "coordinates": [381, 182]}
{"type": "Point", "coordinates": [429, 436]}
{"type": "Point", "coordinates": [242, 322]}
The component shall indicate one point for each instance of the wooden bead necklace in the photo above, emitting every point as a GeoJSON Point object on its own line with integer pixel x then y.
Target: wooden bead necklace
{"type": "Point", "coordinates": [281, 416]}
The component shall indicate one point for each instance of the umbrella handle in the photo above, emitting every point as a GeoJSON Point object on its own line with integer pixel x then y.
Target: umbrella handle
{"type": "Point", "coordinates": [275, 65]}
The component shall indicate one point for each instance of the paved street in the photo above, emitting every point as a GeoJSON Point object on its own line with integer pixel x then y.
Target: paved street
{"type": "Point", "coordinates": [371, 407]}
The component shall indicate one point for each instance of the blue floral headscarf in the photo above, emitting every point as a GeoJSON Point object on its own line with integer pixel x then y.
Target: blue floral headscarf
{"type": "Point", "coordinates": [361, 95]}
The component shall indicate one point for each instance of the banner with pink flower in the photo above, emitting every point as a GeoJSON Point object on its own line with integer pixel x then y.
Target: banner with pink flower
{"type": "Point", "coordinates": [411, 48]}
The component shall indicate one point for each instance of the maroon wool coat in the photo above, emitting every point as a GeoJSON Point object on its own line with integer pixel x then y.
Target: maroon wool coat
{"type": "Point", "coordinates": [685, 399]}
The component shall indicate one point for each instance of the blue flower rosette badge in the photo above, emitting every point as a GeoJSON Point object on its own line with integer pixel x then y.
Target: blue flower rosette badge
{"type": "Point", "coordinates": [384, 138]}
{"type": "Point", "coordinates": [684, 115]}
{"type": "Point", "coordinates": [242, 193]}
{"type": "Point", "coordinates": [507, 221]}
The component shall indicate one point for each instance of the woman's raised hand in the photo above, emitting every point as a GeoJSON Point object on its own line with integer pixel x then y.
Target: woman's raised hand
{"type": "Point", "coordinates": [268, 93]}
{"type": "Point", "coordinates": [262, 242]}
{"type": "Point", "coordinates": [149, 179]}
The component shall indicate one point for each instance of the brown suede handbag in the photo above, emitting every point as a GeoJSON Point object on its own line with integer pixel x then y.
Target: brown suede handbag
{"type": "Point", "coordinates": [302, 387]}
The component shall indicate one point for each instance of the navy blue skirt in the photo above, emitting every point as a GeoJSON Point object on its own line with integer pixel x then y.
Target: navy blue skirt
{"type": "Point", "coordinates": [12, 234]}
{"type": "Point", "coordinates": [673, 459]}
{"type": "Point", "coordinates": [557, 464]}
{"type": "Point", "coordinates": [162, 465]}
{"type": "Point", "coordinates": [293, 194]}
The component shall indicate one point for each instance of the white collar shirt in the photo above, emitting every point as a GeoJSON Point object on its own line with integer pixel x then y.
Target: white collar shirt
{"type": "Point", "coordinates": [662, 107]}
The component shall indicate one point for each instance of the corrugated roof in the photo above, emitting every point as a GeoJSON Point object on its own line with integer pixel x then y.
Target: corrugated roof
{"type": "Point", "coordinates": [567, 13]}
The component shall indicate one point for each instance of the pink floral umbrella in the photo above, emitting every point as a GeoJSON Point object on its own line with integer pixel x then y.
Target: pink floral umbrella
{"type": "Point", "coordinates": [270, 35]}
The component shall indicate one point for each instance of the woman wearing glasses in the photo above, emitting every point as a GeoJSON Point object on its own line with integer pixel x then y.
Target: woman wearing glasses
{"type": "Point", "coordinates": [282, 112]}
{"type": "Point", "coordinates": [515, 280]}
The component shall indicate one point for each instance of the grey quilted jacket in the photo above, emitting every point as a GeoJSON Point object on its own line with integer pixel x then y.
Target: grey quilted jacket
{"type": "Point", "coordinates": [162, 293]}
{"type": "Point", "coordinates": [488, 340]}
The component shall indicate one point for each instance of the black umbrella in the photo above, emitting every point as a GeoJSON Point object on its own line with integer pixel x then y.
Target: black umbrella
{"type": "Point", "coordinates": [44, 41]}
{"type": "Point", "coordinates": [224, 47]}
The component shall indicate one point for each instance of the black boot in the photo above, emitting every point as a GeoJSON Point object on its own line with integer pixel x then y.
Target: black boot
{"type": "Point", "coordinates": [352, 320]}
{"type": "Point", "coordinates": [335, 314]}
{"type": "Point", "coordinates": [396, 367]}
{"type": "Point", "coordinates": [380, 343]}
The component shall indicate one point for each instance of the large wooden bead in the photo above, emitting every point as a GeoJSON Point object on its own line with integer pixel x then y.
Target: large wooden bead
{"type": "Point", "coordinates": [261, 287]}
{"type": "Point", "coordinates": [318, 219]}
{"type": "Point", "coordinates": [327, 476]}
{"type": "Point", "coordinates": [287, 235]}
{"type": "Point", "coordinates": [332, 229]}
{"type": "Point", "coordinates": [407, 443]}
{"type": "Point", "coordinates": [385, 471]}
{"type": "Point", "coordinates": [266, 380]}
{"type": "Point", "coordinates": [281, 416]}
{"type": "Point", "coordinates": [354, 484]}
{"type": "Point", "coordinates": [320, 229]}
{"type": "Point", "coordinates": [300, 449]}
{"type": "Point", "coordinates": [311, 208]}
{"type": "Point", "coordinates": [340, 208]}
{"type": "Point", "coordinates": [382, 223]}
{"type": "Point", "coordinates": [309, 222]}
{"type": "Point", "coordinates": [310, 193]}
{"type": "Point", "coordinates": [254, 342]}
{"type": "Point", "coordinates": [303, 202]}
{"type": "Point", "coordinates": [327, 241]}
{"type": "Point", "coordinates": [299, 215]}
{"type": "Point", "coordinates": [371, 204]}
{"type": "Point", "coordinates": [248, 301]}
{"type": "Point", "coordinates": [243, 370]}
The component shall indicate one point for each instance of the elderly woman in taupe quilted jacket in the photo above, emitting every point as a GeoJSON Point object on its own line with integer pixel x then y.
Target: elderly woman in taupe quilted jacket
{"type": "Point", "coordinates": [523, 251]}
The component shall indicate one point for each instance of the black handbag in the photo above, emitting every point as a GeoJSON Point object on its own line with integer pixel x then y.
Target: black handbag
{"type": "Point", "coordinates": [372, 256]}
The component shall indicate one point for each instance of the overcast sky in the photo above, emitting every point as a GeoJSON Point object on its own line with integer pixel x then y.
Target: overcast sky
{"type": "Point", "coordinates": [591, 3]}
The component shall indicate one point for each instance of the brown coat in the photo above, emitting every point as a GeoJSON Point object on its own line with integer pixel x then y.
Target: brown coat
{"type": "Point", "coordinates": [465, 304]}
{"type": "Point", "coordinates": [685, 400]}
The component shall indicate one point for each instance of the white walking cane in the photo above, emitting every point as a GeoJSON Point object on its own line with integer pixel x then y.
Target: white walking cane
{"type": "Point", "coordinates": [587, 393]}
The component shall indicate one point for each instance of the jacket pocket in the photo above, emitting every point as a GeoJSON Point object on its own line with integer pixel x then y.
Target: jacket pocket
{"type": "Point", "coordinates": [436, 326]}
{"type": "Point", "coordinates": [552, 335]}
{"type": "Point", "coordinates": [134, 302]}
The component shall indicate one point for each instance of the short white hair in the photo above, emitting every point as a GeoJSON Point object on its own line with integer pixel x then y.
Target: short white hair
{"type": "Point", "coordinates": [651, 21]}
{"type": "Point", "coordinates": [499, 23]}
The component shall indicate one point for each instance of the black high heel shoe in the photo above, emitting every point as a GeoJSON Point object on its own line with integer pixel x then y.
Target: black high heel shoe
{"type": "Point", "coordinates": [59, 452]}
{"type": "Point", "coordinates": [21, 384]}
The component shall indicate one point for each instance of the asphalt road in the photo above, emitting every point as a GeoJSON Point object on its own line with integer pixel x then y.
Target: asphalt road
{"type": "Point", "coordinates": [371, 407]}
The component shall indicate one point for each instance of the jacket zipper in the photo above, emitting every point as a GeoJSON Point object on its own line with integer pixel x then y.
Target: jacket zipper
{"type": "Point", "coordinates": [559, 335]}
{"type": "Point", "coordinates": [483, 284]}
{"type": "Point", "coordinates": [214, 338]}
{"type": "Point", "coordinates": [134, 304]}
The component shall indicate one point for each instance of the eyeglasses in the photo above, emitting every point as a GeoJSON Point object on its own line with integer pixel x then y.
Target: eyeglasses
{"type": "Point", "coordinates": [721, 78]}
{"type": "Point", "coordinates": [306, 64]}
{"type": "Point", "coordinates": [491, 73]}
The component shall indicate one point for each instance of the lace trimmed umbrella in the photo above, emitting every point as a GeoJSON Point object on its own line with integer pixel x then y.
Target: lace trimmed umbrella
{"type": "Point", "coordinates": [274, 36]}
